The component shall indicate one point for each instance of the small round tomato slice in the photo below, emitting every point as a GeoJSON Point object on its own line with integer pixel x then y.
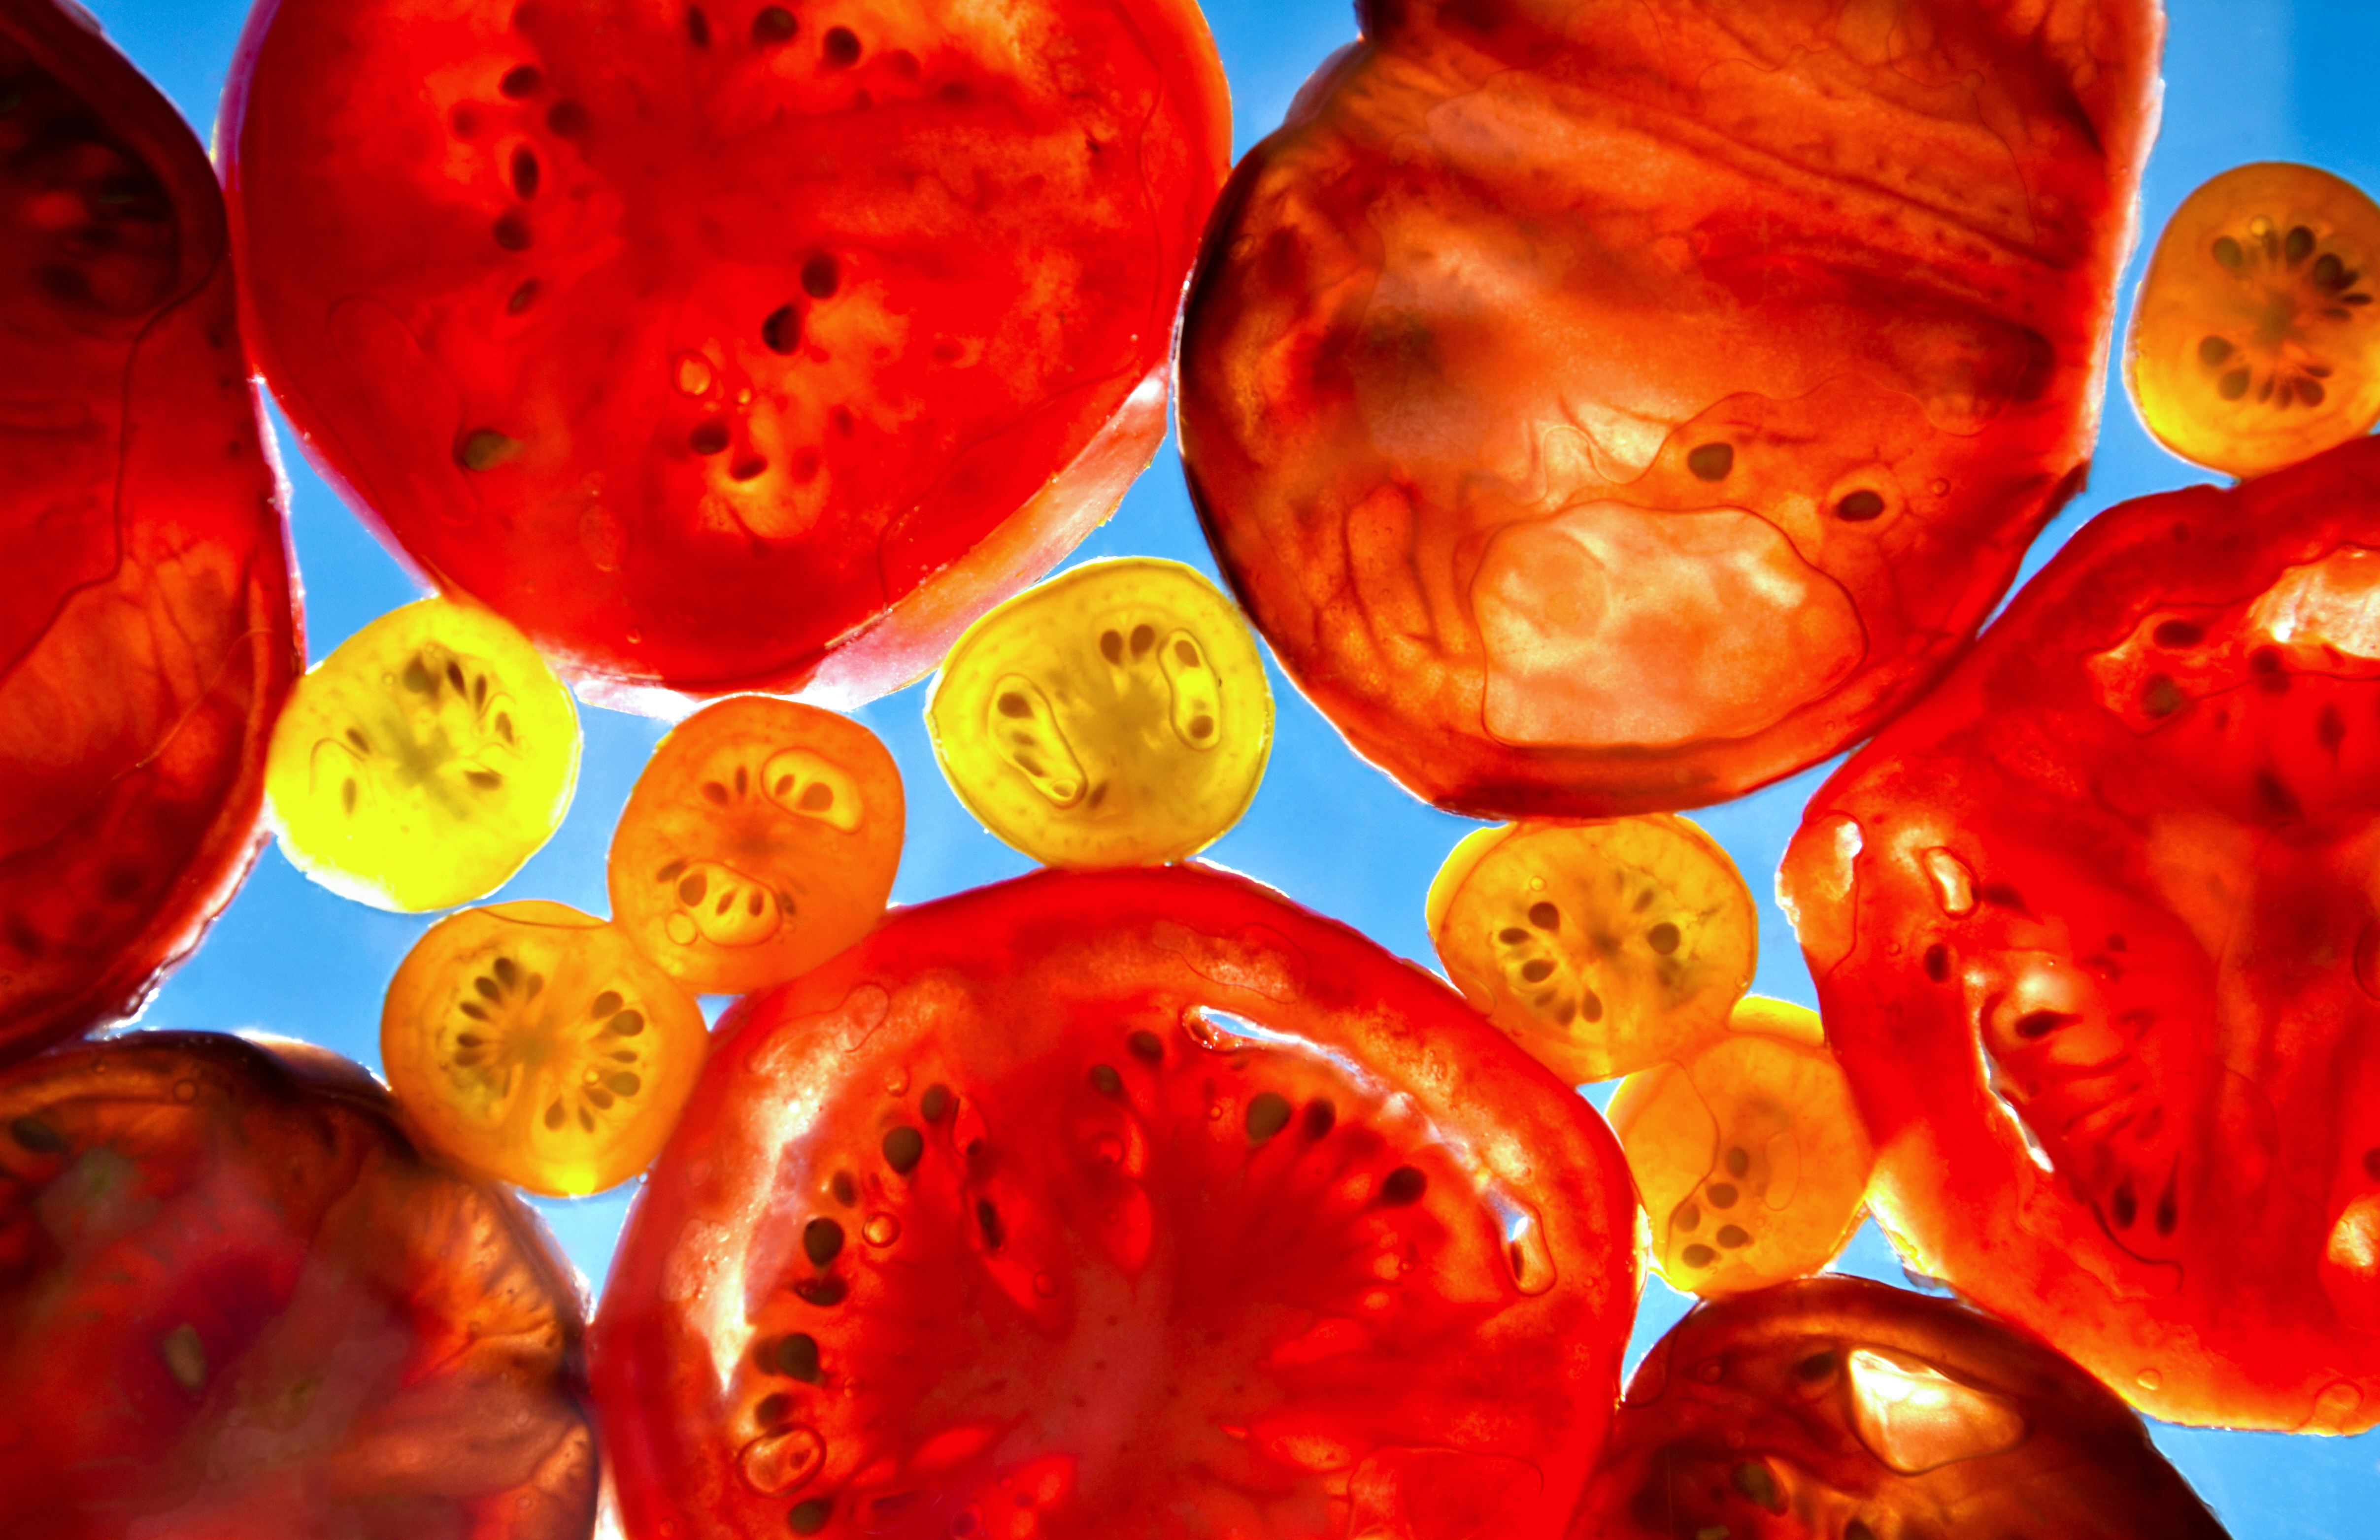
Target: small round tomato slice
{"type": "Point", "coordinates": [1603, 947]}
{"type": "Point", "coordinates": [1839, 1409]}
{"type": "Point", "coordinates": [423, 763]}
{"type": "Point", "coordinates": [1114, 716]}
{"type": "Point", "coordinates": [761, 839]}
{"type": "Point", "coordinates": [1137, 1203]}
{"type": "Point", "coordinates": [235, 1301]}
{"type": "Point", "coordinates": [535, 1044]}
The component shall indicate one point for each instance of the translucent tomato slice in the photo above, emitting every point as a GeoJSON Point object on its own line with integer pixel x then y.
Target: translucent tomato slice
{"type": "Point", "coordinates": [235, 1303]}
{"type": "Point", "coordinates": [2254, 342]}
{"type": "Point", "coordinates": [1838, 1409]}
{"type": "Point", "coordinates": [761, 839]}
{"type": "Point", "coordinates": [535, 1044]}
{"type": "Point", "coordinates": [423, 763]}
{"type": "Point", "coordinates": [148, 630]}
{"type": "Point", "coordinates": [1107, 1204]}
{"type": "Point", "coordinates": [1115, 716]}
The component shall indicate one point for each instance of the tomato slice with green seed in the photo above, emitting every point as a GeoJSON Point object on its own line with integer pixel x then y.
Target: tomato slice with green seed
{"type": "Point", "coordinates": [236, 1301]}
{"type": "Point", "coordinates": [1135, 1202]}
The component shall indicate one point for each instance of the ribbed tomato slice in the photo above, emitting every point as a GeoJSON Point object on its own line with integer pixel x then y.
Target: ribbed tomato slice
{"type": "Point", "coordinates": [1138, 1203]}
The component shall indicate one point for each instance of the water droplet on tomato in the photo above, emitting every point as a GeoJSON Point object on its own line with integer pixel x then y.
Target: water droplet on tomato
{"type": "Point", "coordinates": [897, 1083]}
{"type": "Point", "coordinates": [2148, 1379]}
{"type": "Point", "coordinates": [186, 1090]}
{"type": "Point", "coordinates": [692, 374]}
{"type": "Point", "coordinates": [783, 1461]}
{"type": "Point", "coordinates": [2335, 1409]}
{"type": "Point", "coordinates": [1954, 885]}
{"type": "Point", "coordinates": [1045, 1285]}
{"type": "Point", "coordinates": [882, 1230]}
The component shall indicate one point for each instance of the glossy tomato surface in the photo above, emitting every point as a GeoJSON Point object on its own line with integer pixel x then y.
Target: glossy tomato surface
{"type": "Point", "coordinates": [724, 346]}
{"type": "Point", "coordinates": [2095, 939]}
{"type": "Point", "coordinates": [1138, 1203]}
{"type": "Point", "coordinates": [1836, 1407]}
{"type": "Point", "coordinates": [147, 629]}
{"type": "Point", "coordinates": [1616, 406]}
{"type": "Point", "coordinates": [235, 1303]}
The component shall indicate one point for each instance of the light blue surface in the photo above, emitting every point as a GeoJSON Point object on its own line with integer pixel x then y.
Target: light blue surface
{"type": "Point", "coordinates": [2246, 80]}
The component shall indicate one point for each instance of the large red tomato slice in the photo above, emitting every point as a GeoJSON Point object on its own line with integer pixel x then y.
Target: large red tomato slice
{"type": "Point", "coordinates": [725, 345]}
{"type": "Point", "coordinates": [1614, 406]}
{"type": "Point", "coordinates": [147, 631]}
{"type": "Point", "coordinates": [1838, 1409]}
{"type": "Point", "coordinates": [1137, 1203]}
{"type": "Point", "coordinates": [235, 1303]}
{"type": "Point", "coordinates": [2096, 936]}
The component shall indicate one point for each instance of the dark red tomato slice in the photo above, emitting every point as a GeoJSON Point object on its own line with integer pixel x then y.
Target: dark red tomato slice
{"type": "Point", "coordinates": [725, 345]}
{"type": "Point", "coordinates": [147, 631]}
{"type": "Point", "coordinates": [234, 1304]}
{"type": "Point", "coordinates": [1121, 1204]}
{"type": "Point", "coordinates": [2096, 939]}
{"type": "Point", "coordinates": [1604, 417]}
{"type": "Point", "coordinates": [1838, 1409]}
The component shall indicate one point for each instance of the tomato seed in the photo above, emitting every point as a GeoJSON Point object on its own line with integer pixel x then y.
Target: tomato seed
{"type": "Point", "coordinates": [821, 1242]}
{"type": "Point", "coordinates": [904, 1148]}
{"type": "Point", "coordinates": [809, 1517]}
{"type": "Point", "coordinates": [1405, 1185]}
{"type": "Point", "coordinates": [1268, 1115]}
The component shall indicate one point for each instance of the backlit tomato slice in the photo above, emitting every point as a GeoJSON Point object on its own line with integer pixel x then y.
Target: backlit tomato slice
{"type": "Point", "coordinates": [1138, 1203]}
{"type": "Point", "coordinates": [146, 626]}
{"type": "Point", "coordinates": [1613, 410]}
{"type": "Point", "coordinates": [2095, 938]}
{"type": "Point", "coordinates": [1838, 1409]}
{"type": "Point", "coordinates": [235, 1303]}
{"type": "Point", "coordinates": [726, 345]}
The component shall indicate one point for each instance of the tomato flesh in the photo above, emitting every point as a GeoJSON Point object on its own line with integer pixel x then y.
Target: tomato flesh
{"type": "Point", "coordinates": [1614, 416]}
{"type": "Point", "coordinates": [718, 345]}
{"type": "Point", "coordinates": [148, 631]}
{"type": "Point", "coordinates": [233, 1302]}
{"type": "Point", "coordinates": [1836, 1407]}
{"type": "Point", "coordinates": [1124, 1203]}
{"type": "Point", "coordinates": [2095, 941]}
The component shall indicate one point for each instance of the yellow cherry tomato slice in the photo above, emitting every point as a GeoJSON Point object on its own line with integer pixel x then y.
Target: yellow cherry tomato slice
{"type": "Point", "coordinates": [424, 761]}
{"type": "Point", "coordinates": [761, 840]}
{"type": "Point", "coordinates": [534, 1044]}
{"type": "Point", "coordinates": [1749, 1158]}
{"type": "Point", "coordinates": [1601, 947]}
{"type": "Point", "coordinates": [2254, 342]}
{"type": "Point", "coordinates": [1114, 716]}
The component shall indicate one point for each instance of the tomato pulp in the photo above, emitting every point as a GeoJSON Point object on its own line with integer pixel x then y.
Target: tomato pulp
{"type": "Point", "coordinates": [1615, 406]}
{"type": "Point", "coordinates": [1130, 1203]}
{"type": "Point", "coordinates": [2095, 939]}
{"type": "Point", "coordinates": [715, 345]}
{"type": "Point", "coordinates": [147, 632]}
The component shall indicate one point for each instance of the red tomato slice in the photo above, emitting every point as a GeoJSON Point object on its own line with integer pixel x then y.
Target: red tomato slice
{"type": "Point", "coordinates": [1606, 416]}
{"type": "Point", "coordinates": [2095, 939]}
{"type": "Point", "coordinates": [235, 1303]}
{"type": "Point", "coordinates": [147, 629]}
{"type": "Point", "coordinates": [1838, 1409]}
{"type": "Point", "coordinates": [1132, 1203]}
{"type": "Point", "coordinates": [724, 345]}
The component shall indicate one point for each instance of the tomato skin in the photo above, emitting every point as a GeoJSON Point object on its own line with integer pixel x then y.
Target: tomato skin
{"type": "Point", "coordinates": [235, 1301]}
{"type": "Point", "coordinates": [2119, 862]}
{"type": "Point", "coordinates": [993, 994]}
{"type": "Point", "coordinates": [1754, 1398]}
{"type": "Point", "coordinates": [715, 357]}
{"type": "Point", "coordinates": [149, 631]}
{"type": "Point", "coordinates": [1565, 497]}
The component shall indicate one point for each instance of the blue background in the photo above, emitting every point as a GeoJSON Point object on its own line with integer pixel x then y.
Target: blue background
{"type": "Point", "coordinates": [2246, 80]}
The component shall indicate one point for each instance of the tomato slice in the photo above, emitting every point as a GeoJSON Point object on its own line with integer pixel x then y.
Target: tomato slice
{"type": "Point", "coordinates": [726, 346]}
{"type": "Point", "coordinates": [1115, 716]}
{"type": "Point", "coordinates": [1134, 1203]}
{"type": "Point", "coordinates": [534, 1044]}
{"type": "Point", "coordinates": [761, 839]}
{"type": "Point", "coordinates": [1838, 1409]}
{"type": "Point", "coordinates": [1614, 417]}
{"type": "Point", "coordinates": [235, 1303]}
{"type": "Point", "coordinates": [2096, 941]}
{"type": "Point", "coordinates": [148, 630]}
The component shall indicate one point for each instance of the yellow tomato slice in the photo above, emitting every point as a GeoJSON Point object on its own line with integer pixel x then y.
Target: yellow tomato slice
{"type": "Point", "coordinates": [1601, 947]}
{"type": "Point", "coordinates": [1749, 1158]}
{"type": "Point", "coordinates": [2253, 344]}
{"type": "Point", "coordinates": [761, 840]}
{"type": "Point", "coordinates": [424, 761]}
{"type": "Point", "coordinates": [534, 1044]}
{"type": "Point", "coordinates": [1114, 716]}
